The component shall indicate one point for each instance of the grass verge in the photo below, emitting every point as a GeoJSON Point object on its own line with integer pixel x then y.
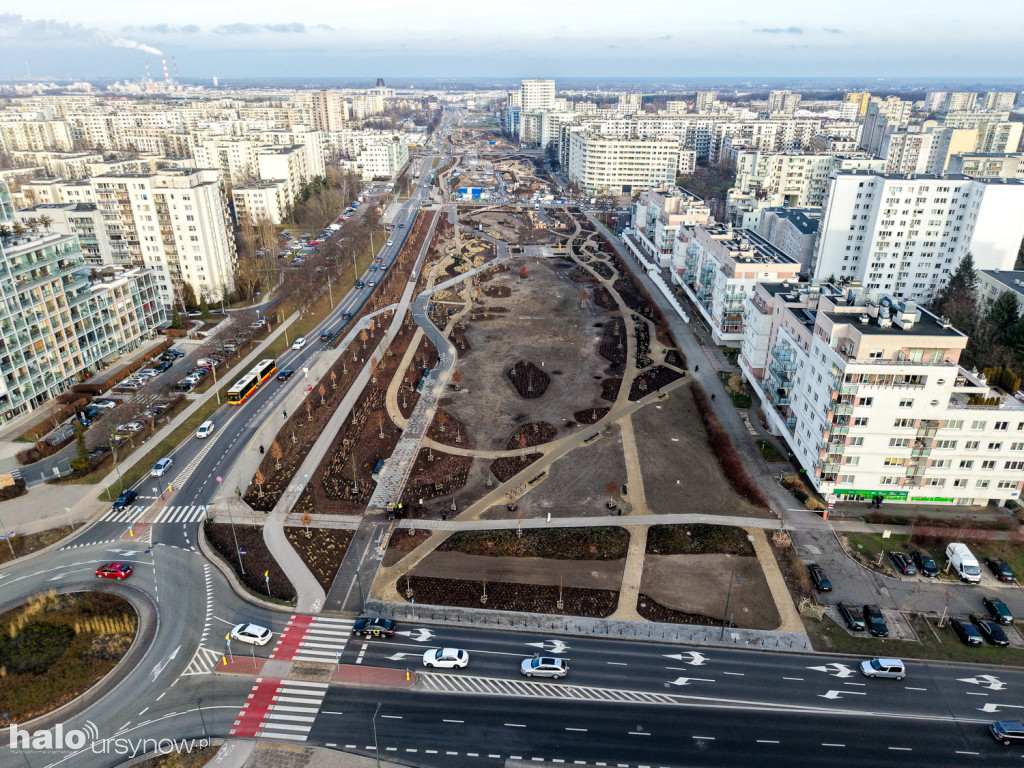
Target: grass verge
{"type": "Point", "coordinates": [32, 542]}
{"type": "Point", "coordinates": [770, 452]}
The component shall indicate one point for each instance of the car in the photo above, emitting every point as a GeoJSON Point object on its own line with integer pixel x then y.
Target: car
{"type": "Point", "coordinates": [875, 621]}
{"type": "Point", "coordinates": [205, 429]}
{"type": "Point", "coordinates": [390, 242]}
{"type": "Point", "coordinates": [105, 404]}
{"type": "Point", "coordinates": [925, 564]}
{"type": "Point", "coordinates": [299, 343]}
{"type": "Point", "coordinates": [373, 267]}
{"type": "Point", "coordinates": [120, 571]}
{"type": "Point", "coordinates": [1000, 569]}
{"type": "Point", "coordinates": [327, 336]}
{"type": "Point", "coordinates": [285, 374]}
{"type": "Point", "coordinates": [126, 498]}
{"type": "Point", "coordinates": [375, 626]}
{"type": "Point", "coordinates": [401, 226]}
{"type": "Point", "coordinates": [967, 632]}
{"type": "Point", "coordinates": [883, 667]}
{"type": "Point", "coordinates": [853, 618]}
{"type": "Point", "coordinates": [135, 426]}
{"type": "Point", "coordinates": [360, 283]}
{"type": "Point", "coordinates": [544, 666]}
{"type": "Point", "coordinates": [820, 578]}
{"type": "Point", "coordinates": [161, 467]}
{"type": "Point", "coordinates": [998, 610]}
{"type": "Point", "coordinates": [990, 630]}
{"type": "Point", "coordinates": [184, 385]}
{"type": "Point", "coordinates": [346, 315]}
{"type": "Point", "coordinates": [902, 562]}
{"type": "Point", "coordinates": [253, 634]}
{"type": "Point", "coordinates": [148, 372]}
{"type": "Point", "coordinates": [1007, 731]}
{"type": "Point", "coordinates": [165, 365]}
{"type": "Point", "coordinates": [371, 283]}
{"type": "Point", "coordinates": [447, 658]}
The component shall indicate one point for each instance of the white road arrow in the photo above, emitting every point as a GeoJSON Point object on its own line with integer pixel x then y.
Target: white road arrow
{"type": "Point", "coordinates": [557, 646]}
{"type": "Point", "coordinates": [985, 681]}
{"type": "Point", "coordinates": [124, 552]}
{"type": "Point", "coordinates": [837, 694]}
{"type": "Point", "coordinates": [685, 680]}
{"type": "Point", "coordinates": [423, 635]}
{"type": "Point", "coordinates": [58, 577]}
{"type": "Point", "coordinates": [163, 664]}
{"type": "Point", "coordinates": [401, 656]}
{"type": "Point", "coordinates": [696, 659]}
{"type": "Point", "coordinates": [990, 707]}
{"type": "Point", "coordinates": [835, 669]}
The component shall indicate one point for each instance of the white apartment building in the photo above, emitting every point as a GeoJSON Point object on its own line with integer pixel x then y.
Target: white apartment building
{"type": "Point", "coordinates": [704, 102]}
{"type": "Point", "coordinates": [382, 158]}
{"type": "Point", "coordinates": [783, 102]}
{"type": "Point", "coordinates": [657, 216]}
{"type": "Point", "coordinates": [330, 111]}
{"type": "Point", "coordinates": [905, 235]}
{"type": "Point", "coordinates": [263, 199]}
{"type": "Point", "coordinates": [82, 220]}
{"type": "Point", "coordinates": [18, 133]}
{"type": "Point", "coordinates": [287, 162]}
{"type": "Point", "coordinates": [883, 117]}
{"type": "Point", "coordinates": [718, 267]}
{"type": "Point", "coordinates": [993, 283]}
{"type": "Point", "coordinates": [987, 165]}
{"type": "Point", "coordinates": [537, 95]}
{"type": "Point", "coordinates": [906, 151]}
{"type": "Point", "coordinates": [791, 230]}
{"type": "Point", "coordinates": [176, 218]}
{"type": "Point", "coordinates": [867, 392]}
{"type": "Point", "coordinates": [599, 164]}
{"type": "Point", "coordinates": [998, 101]}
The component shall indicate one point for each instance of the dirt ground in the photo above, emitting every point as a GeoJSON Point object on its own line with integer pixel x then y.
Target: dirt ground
{"type": "Point", "coordinates": [680, 473]}
{"type": "Point", "coordinates": [590, 574]}
{"type": "Point", "coordinates": [699, 584]}
{"type": "Point", "coordinates": [488, 403]}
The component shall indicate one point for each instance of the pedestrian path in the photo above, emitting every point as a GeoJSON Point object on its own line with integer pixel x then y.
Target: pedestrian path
{"type": "Point", "coordinates": [280, 709]}
{"type": "Point", "coordinates": [316, 639]}
{"type": "Point", "coordinates": [181, 514]}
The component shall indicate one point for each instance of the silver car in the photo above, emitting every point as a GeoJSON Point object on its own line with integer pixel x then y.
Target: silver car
{"type": "Point", "coordinates": [544, 666]}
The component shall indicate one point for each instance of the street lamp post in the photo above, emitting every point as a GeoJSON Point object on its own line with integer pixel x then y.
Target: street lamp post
{"type": "Point", "coordinates": [728, 595]}
{"type": "Point", "coordinates": [113, 452]}
{"type": "Point", "coordinates": [199, 703]}
{"type": "Point", "coordinates": [376, 749]}
{"type": "Point", "coordinates": [9, 544]}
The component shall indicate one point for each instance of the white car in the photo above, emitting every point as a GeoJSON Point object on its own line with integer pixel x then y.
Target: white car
{"type": "Point", "coordinates": [205, 429]}
{"type": "Point", "coordinates": [391, 242]}
{"type": "Point", "coordinates": [251, 633]}
{"type": "Point", "coordinates": [161, 467]}
{"type": "Point", "coordinates": [299, 343]}
{"type": "Point", "coordinates": [446, 658]}
{"type": "Point", "coordinates": [149, 373]}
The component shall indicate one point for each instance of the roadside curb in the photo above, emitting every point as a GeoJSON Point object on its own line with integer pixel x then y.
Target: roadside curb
{"type": "Point", "coordinates": [239, 589]}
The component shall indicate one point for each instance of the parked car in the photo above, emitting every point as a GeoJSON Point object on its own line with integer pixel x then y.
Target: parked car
{"type": "Point", "coordinates": [1007, 731]}
{"type": "Point", "coordinates": [819, 578]}
{"type": "Point", "coordinates": [853, 618]}
{"type": "Point", "coordinates": [1000, 569]}
{"type": "Point", "coordinates": [875, 621]}
{"type": "Point", "coordinates": [285, 374]}
{"type": "Point", "coordinates": [967, 632]}
{"type": "Point", "coordinates": [135, 426]}
{"type": "Point", "coordinates": [373, 627]}
{"type": "Point", "coordinates": [544, 666]}
{"type": "Point", "coordinates": [989, 629]}
{"type": "Point", "coordinates": [205, 429]}
{"type": "Point", "coordinates": [164, 365]}
{"type": "Point", "coordinates": [119, 571]}
{"type": "Point", "coordinates": [126, 498]}
{"type": "Point", "coordinates": [299, 343]}
{"type": "Point", "coordinates": [446, 658]}
{"type": "Point", "coordinates": [882, 667]}
{"type": "Point", "coordinates": [253, 634]}
{"type": "Point", "coordinates": [902, 562]}
{"type": "Point", "coordinates": [925, 564]}
{"type": "Point", "coordinates": [105, 404]}
{"type": "Point", "coordinates": [998, 610]}
{"type": "Point", "coordinates": [148, 372]}
{"type": "Point", "coordinates": [161, 467]}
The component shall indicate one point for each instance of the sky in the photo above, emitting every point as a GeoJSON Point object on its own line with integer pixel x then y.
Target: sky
{"type": "Point", "coordinates": [525, 38]}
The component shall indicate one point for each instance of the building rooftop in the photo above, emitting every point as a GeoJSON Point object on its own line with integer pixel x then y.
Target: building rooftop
{"type": "Point", "coordinates": [746, 246]}
{"type": "Point", "coordinates": [805, 219]}
{"type": "Point", "coordinates": [1012, 279]}
{"type": "Point", "coordinates": [926, 176]}
{"type": "Point", "coordinates": [261, 184]}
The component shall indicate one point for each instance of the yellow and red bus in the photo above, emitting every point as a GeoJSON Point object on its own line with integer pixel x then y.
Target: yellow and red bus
{"type": "Point", "coordinates": [264, 369]}
{"type": "Point", "coordinates": [242, 388]}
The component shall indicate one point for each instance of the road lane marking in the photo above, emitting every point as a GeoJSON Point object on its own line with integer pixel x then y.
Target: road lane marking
{"type": "Point", "coordinates": [617, 663]}
{"type": "Point", "coordinates": [901, 749]}
{"type": "Point", "coordinates": [707, 738]}
{"type": "Point", "coordinates": [514, 725]}
{"type": "Point", "coordinates": [452, 721]}
{"type": "Point", "coordinates": [767, 741]}
{"type": "Point", "coordinates": [826, 744]}
{"type": "Point", "coordinates": [640, 733]}
{"type": "Point", "coordinates": [735, 674]}
{"type": "Point", "coordinates": [580, 730]}
{"type": "Point", "coordinates": [908, 688]}
{"type": "Point", "coordinates": [391, 717]}
{"type": "Point", "coordinates": [792, 678]}
{"type": "Point", "coordinates": [961, 752]}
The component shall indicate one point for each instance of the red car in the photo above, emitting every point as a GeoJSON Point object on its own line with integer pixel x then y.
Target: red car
{"type": "Point", "coordinates": [114, 571]}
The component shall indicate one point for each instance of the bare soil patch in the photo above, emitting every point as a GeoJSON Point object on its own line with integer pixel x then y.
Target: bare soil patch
{"type": "Point", "coordinates": [257, 558]}
{"type": "Point", "coordinates": [529, 380]}
{"type": "Point", "coordinates": [651, 380]}
{"type": "Point", "coordinates": [698, 539]}
{"type": "Point", "coordinates": [597, 543]}
{"type": "Point", "coordinates": [586, 574]}
{"type": "Point", "coordinates": [435, 474]}
{"type": "Point", "coordinates": [321, 549]}
{"type": "Point", "coordinates": [532, 598]}
{"type": "Point", "coordinates": [508, 467]}
{"type": "Point", "coordinates": [403, 541]}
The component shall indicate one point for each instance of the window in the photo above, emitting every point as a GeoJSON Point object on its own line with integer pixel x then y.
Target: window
{"type": "Point", "coordinates": [995, 446]}
{"type": "Point", "coordinates": [966, 463]}
{"type": "Point", "coordinates": [942, 463]}
{"type": "Point", "coordinates": [935, 482]}
{"type": "Point", "coordinates": [978, 425]}
{"type": "Point", "coordinates": [906, 403]}
{"type": "Point", "coordinates": [888, 481]}
{"type": "Point", "coordinates": [1014, 465]}
{"type": "Point", "coordinates": [899, 442]}
{"type": "Point", "coordinates": [1017, 446]}
{"type": "Point", "coordinates": [867, 401]}
{"type": "Point", "coordinates": [860, 421]}
{"type": "Point", "coordinates": [945, 444]}
{"type": "Point", "coordinates": [971, 445]}
{"type": "Point", "coordinates": [960, 483]}
{"type": "Point", "coordinates": [988, 465]}
{"type": "Point", "coordinates": [851, 461]}
{"type": "Point", "coordinates": [856, 441]}
{"type": "Point", "coordinates": [981, 484]}
{"type": "Point", "coordinates": [904, 423]}
{"type": "Point", "coordinates": [1002, 426]}
{"type": "Point", "coordinates": [953, 423]}
{"type": "Point", "coordinates": [895, 461]}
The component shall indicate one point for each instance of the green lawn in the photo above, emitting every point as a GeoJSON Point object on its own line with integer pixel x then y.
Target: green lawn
{"type": "Point", "coordinates": [769, 451]}
{"type": "Point", "coordinates": [870, 544]}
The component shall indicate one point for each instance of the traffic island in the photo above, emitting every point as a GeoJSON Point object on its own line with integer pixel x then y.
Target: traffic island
{"type": "Point", "coordinates": [247, 666]}
{"type": "Point", "coordinates": [373, 677]}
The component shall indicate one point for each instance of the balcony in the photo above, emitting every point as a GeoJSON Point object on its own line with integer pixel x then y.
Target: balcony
{"type": "Point", "coordinates": [843, 409]}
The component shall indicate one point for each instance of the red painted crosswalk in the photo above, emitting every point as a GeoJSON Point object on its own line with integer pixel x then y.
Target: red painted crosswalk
{"type": "Point", "coordinates": [317, 639]}
{"type": "Point", "coordinates": [291, 638]}
{"type": "Point", "coordinates": [280, 709]}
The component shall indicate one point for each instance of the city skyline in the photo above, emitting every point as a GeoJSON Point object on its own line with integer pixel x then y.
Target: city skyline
{"type": "Point", "coordinates": [61, 39]}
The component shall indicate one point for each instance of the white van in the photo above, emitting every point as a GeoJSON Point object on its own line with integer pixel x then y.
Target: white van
{"type": "Point", "coordinates": [205, 429]}
{"type": "Point", "coordinates": [963, 562]}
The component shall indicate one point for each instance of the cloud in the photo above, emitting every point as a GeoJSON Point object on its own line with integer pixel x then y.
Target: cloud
{"type": "Point", "coordinates": [664, 37]}
{"type": "Point", "coordinates": [163, 29]}
{"type": "Point", "coordinates": [15, 25]}
{"type": "Point", "coordinates": [325, 27]}
{"type": "Point", "coordinates": [833, 31]}
{"type": "Point", "coordinates": [240, 28]}
{"type": "Point", "coordinates": [781, 30]}
{"type": "Point", "coordinates": [613, 46]}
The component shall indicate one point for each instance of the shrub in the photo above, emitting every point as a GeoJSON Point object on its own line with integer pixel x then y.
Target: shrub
{"type": "Point", "coordinates": [800, 496]}
{"type": "Point", "coordinates": [814, 504]}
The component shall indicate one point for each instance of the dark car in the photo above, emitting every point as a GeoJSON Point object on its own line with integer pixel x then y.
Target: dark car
{"type": "Point", "coordinates": [1007, 731]}
{"type": "Point", "coordinates": [851, 616]}
{"type": "Point", "coordinates": [926, 564]}
{"type": "Point", "coordinates": [875, 621]}
{"type": "Point", "coordinates": [285, 374]}
{"type": "Point", "coordinates": [1000, 569]}
{"type": "Point", "coordinates": [820, 578]}
{"type": "Point", "coordinates": [124, 499]}
{"type": "Point", "coordinates": [346, 315]}
{"type": "Point", "coordinates": [327, 336]}
{"type": "Point", "coordinates": [998, 610]}
{"type": "Point", "coordinates": [990, 630]}
{"type": "Point", "coordinates": [901, 562]}
{"type": "Point", "coordinates": [373, 627]}
{"type": "Point", "coordinates": [164, 365]}
{"type": "Point", "coordinates": [967, 632]}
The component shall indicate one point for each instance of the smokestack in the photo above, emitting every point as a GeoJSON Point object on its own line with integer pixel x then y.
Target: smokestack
{"type": "Point", "coordinates": [167, 78]}
{"type": "Point", "coordinates": [148, 78]}
{"type": "Point", "coordinates": [174, 61]}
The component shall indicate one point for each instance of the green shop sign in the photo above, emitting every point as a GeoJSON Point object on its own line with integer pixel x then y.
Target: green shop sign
{"type": "Point", "coordinates": [901, 495]}
{"type": "Point", "coordinates": [932, 498]}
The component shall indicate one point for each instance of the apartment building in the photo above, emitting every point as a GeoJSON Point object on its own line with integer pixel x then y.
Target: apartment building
{"type": "Point", "coordinates": [905, 235]}
{"type": "Point", "coordinates": [998, 101]}
{"type": "Point", "coordinates": [860, 99]}
{"type": "Point", "coordinates": [263, 199]}
{"type": "Point", "coordinates": [883, 117]}
{"type": "Point", "coordinates": [599, 164]}
{"type": "Point", "coordinates": [704, 102]}
{"type": "Point", "coordinates": [792, 231]}
{"type": "Point", "coordinates": [988, 165]}
{"type": "Point", "coordinates": [82, 220]}
{"type": "Point", "coordinates": [993, 283]}
{"type": "Point", "coordinates": [867, 392]}
{"type": "Point", "coordinates": [330, 111]}
{"type": "Point", "coordinates": [718, 267]}
{"type": "Point", "coordinates": [18, 133]}
{"type": "Point", "coordinates": [657, 216]}
{"type": "Point", "coordinates": [783, 102]}
{"type": "Point", "coordinates": [537, 95]}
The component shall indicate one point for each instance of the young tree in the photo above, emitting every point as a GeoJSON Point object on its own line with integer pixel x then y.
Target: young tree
{"type": "Point", "coordinates": [81, 461]}
{"type": "Point", "coordinates": [259, 480]}
{"type": "Point", "coordinates": [1004, 315]}
{"type": "Point", "coordinates": [204, 309]}
{"type": "Point", "coordinates": [176, 319]}
{"type": "Point", "coordinates": [457, 380]}
{"type": "Point", "coordinates": [958, 299]}
{"type": "Point", "coordinates": [276, 454]}
{"type": "Point", "coordinates": [522, 272]}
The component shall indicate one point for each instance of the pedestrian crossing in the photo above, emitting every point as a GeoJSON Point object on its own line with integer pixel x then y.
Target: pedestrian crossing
{"type": "Point", "coordinates": [182, 514]}
{"type": "Point", "coordinates": [447, 683]}
{"type": "Point", "coordinates": [128, 515]}
{"type": "Point", "coordinates": [315, 639]}
{"type": "Point", "coordinates": [280, 709]}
